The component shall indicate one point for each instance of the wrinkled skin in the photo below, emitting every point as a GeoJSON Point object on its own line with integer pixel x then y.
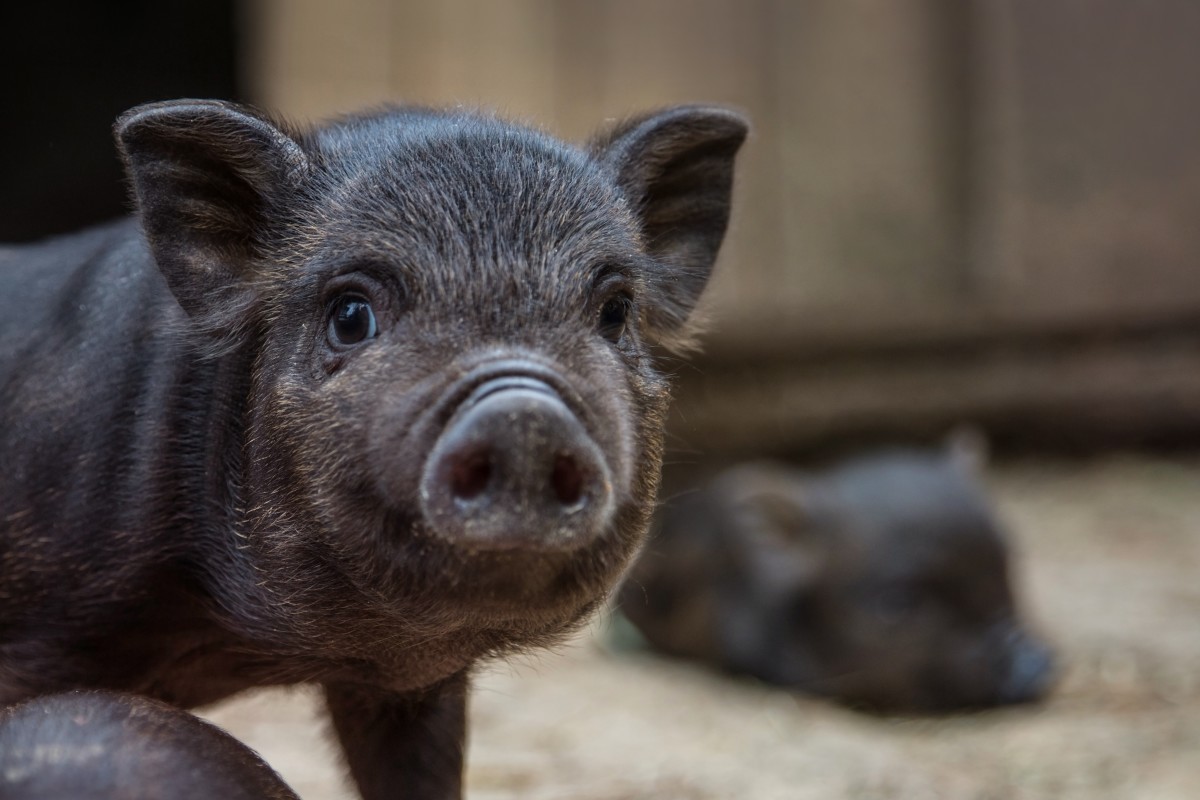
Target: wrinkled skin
{"type": "Point", "coordinates": [296, 423]}
{"type": "Point", "coordinates": [883, 583]}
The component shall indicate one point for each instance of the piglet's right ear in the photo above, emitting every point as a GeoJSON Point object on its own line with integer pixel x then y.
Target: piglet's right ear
{"type": "Point", "coordinates": [207, 177]}
{"type": "Point", "coordinates": [676, 169]}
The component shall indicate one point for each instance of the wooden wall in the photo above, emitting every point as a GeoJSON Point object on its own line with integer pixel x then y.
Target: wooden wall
{"type": "Point", "coordinates": [925, 177]}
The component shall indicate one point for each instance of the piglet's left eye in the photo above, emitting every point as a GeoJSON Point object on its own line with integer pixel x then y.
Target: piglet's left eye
{"type": "Point", "coordinates": [351, 320]}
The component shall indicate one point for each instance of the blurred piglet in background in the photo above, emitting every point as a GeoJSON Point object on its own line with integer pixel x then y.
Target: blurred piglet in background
{"type": "Point", "coordinates": [883, 583]}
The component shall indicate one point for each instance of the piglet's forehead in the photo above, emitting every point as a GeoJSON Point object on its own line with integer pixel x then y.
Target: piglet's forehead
{"type": "Point", "coordinates": [489, 197]}
{"type": "Point", "coordinates": [467, 161]}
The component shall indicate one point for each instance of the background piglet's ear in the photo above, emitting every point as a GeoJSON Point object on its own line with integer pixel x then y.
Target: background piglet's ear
{"type": "Point", "coordinates": [775, 514]}
{"type": "Point", "coordinates": [207, 177]}
{"type": "Point", "coordinates": [967, 448]}
{"type": "Point", "coordinates": [676, 169]}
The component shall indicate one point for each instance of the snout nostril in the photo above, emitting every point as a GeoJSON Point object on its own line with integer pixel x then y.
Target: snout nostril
{"type": "Point", "coordinates": [1030, 671]}
{"type": "Point", "coordinates": [470, 475]}
{"type": "Point", "coordinates": [567, 480]}
{"type": "Point", "coordinates": [516, 469]}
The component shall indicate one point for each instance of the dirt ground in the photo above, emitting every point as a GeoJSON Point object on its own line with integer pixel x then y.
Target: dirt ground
{"type": "Point", "coordinates": [1109, 558]}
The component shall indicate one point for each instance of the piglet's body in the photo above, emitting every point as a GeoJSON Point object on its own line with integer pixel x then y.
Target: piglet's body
{"type": "Point", "coordinates": [358, 406]}
{"type": "Point", "coordinates": [883, 582]}
{"type": "Point", "coordinates": [109, 746]}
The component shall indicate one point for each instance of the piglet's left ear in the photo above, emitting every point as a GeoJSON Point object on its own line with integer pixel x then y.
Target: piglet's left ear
{"type": "Point", "coordinates": [676, 169]}
{"type": "Point", "coordinates": [210, 179]}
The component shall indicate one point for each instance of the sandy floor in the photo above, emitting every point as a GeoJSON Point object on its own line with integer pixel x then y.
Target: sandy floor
{"type": "Point", "coordinates": [1110, 559]}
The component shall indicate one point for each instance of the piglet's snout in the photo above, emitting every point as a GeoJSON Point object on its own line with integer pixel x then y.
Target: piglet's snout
{"type": "Point", "coordinates": [515, 469]}
{"type": "Point", "coordinates": [1030, 669]}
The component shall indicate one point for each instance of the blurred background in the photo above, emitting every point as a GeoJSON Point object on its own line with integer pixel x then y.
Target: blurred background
{"type": "Point", "coordinates": [950, 211]}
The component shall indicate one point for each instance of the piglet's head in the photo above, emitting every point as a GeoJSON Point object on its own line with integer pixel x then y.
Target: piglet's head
{"type": "Point", "coordinates": [448, 400]}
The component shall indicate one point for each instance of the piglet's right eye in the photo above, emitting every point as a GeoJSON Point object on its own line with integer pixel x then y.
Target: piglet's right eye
{"type": "Point", "coordinates": [351, 320]}
{"type": "Point", "coordinates": [614, 318]}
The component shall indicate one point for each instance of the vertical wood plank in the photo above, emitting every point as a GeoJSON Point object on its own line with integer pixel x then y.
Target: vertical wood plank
{"type": "Point", "coordinates": [494, 54]}
{"type": "Point", "coordinates": [869, 194]}
{"type": "Point", "coordinates": [1093, 170]}
{"type": "Point", "coordinates": [313, 58]}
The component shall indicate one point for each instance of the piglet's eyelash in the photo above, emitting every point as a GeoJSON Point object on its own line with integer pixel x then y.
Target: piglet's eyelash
{"type": "Point", "coordinates": [610, 273]}
{"type": "Point", "coordinates": [611, 284]}
{"type": "Point", "coordinates": [378, 283]}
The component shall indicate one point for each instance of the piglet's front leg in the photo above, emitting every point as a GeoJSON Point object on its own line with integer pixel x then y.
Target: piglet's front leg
{"type": "Point", "coordinates": [402, 746]}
